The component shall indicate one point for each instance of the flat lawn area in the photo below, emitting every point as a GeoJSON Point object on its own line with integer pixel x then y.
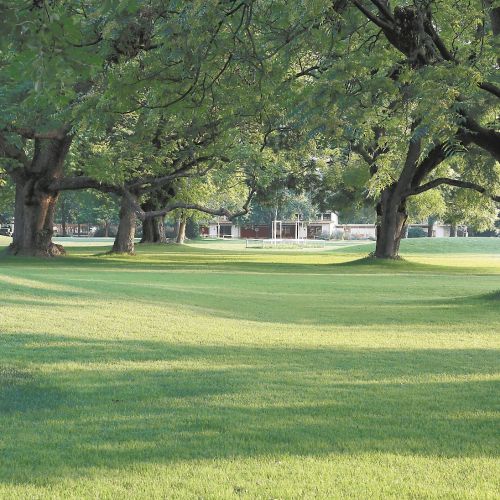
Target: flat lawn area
{"type": "Point", "coordinates": [211, 371]}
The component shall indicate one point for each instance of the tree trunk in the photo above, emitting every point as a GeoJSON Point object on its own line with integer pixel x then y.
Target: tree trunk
{"type": "Point", "coordinates": [160, 234]}
{"type": "Point", "coordinates": [181, 232]}
{"type": "Point", "coordinates": [64, 218]}
{"type": "Point", "coordinates": [35, 204]}
{"type": "Point", "coordinates": [124, 241]}
{"type": "Point", "coordinates": [453, 231]}
{"type": "Point", "coordinates": [153, 230]}
{"type": "Point", "coordinates": [391, 220]}
{"type": "Point", "coordinates": [106, 229]}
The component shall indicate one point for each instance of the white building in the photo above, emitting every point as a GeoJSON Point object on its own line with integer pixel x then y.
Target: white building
{"type": "Point", "coordinates": [323, 226]}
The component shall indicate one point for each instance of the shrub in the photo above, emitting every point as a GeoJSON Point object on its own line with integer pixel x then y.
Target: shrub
{"type": "Point", "coordinates": [417, 232]}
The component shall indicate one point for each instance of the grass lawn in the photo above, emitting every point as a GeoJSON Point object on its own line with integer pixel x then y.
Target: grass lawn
{"type": "Point", "coordinates": [212, 371]}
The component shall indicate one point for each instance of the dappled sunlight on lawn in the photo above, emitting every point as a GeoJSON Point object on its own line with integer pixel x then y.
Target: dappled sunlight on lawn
{"type": "Point", "coordinates": [187, 364]}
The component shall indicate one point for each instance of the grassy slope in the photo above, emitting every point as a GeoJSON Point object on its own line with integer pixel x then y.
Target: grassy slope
{"type": "Point", "coordinates": [213, 371]}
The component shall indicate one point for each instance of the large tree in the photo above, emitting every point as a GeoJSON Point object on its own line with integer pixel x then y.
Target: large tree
{"type": "Point", "coordinates": [66, 64]}
{"type": "Point", "coordinates": [424, 89]}
{"type": "Point", "coordinates": [403, 86]}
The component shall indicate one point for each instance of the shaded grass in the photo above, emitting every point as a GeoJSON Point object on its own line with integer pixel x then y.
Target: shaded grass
{"type": "Point", "coordinates": [208, 371]}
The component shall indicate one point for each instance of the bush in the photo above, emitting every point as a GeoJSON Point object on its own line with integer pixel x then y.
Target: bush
{"type": "Point", "coordinates": [111, 233]}
{"type": "Point", "coordinates": [338, 234]}
{"type": "Point", "coordinates": [170, 232]}
{"type": "Point", "coordinates": [192, 229]}
{"type": "Point", "coordinates": [417, 232]}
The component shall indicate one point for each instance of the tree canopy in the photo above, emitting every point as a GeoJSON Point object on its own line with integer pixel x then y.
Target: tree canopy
{"type": "Point", "coordinates": [355, 101]}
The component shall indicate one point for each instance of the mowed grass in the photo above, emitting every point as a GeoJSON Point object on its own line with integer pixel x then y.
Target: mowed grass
{"type": "Point", "coordinates": [212, 371]}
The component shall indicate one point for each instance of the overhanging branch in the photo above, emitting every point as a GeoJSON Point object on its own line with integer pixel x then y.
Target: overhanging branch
{"type": "Point", "coordinates": [491, 88]}
{"type": "Point", "coordinates": [454, 182]}
{"type": "Point", "coordinates": [8, 150]}
{"type": "Point", "coordinates": [222, 211]}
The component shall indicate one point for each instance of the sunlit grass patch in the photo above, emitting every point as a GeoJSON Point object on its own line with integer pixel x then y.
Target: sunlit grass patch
{"type": "Point", "coordinates": [208, 371]}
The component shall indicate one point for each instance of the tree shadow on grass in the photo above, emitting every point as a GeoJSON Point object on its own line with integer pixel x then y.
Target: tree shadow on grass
{"type": "Point", "coordinates": [489, 297]}
{"type": "Point", "coordinates": [21, 391]}
{"type": "Point", "coordinates": [201, 260]}
{"type": "Point", "coordinates": [119, 403]}
{"type": "Point", "coordinates": [336, 300]}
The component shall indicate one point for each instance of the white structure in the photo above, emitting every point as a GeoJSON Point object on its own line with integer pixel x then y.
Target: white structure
{"type": "Point", "coordinates": [355, 232]}
{"type": "Point", "coordinates": [223, 228]}
{"type": "Point", "coordinates": [324, 226]}
{"type": "Point", "coordinates": [235, 231]}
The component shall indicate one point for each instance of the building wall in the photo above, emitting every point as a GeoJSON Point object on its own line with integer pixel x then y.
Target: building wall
{"type": "Point", "coordinates": [256, 231]}
{"type": "Point", "coordinates": [235, 231]}
{"type": "Point", "coordinates": [324, 229]}
{"type": "Point", "coordinates": [320, 230]}
{"type": "Point", "coordinates": [213, 230]}
{"type": "Point", "coordinates": [442, 231]}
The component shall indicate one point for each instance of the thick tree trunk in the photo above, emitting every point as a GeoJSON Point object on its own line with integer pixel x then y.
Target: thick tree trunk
{"type": "Point", "coordinates": [453, 231]}
{"type": "Point", "coordinates": [124, 241]}
{"type": "Point", "coordinates": [35, 204]}
{"type": "Point", "coordinates": [391, 220]}
{"type": "Point", "coordinates": [153, 230]}
{"type": "Point", "coordinates": [181, 232]}
{"type": "Point", "coordinates": [160, 234]}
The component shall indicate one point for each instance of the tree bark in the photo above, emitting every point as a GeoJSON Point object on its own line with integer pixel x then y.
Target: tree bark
{"type": "Point", "coordinates": [181, 232]}
{"type": "Point", "coordinates": [391, 220]}
{"type": "Point", "coordinates": [124, 240]}
{"type": "Point", "coordinates": [153, 230]}
{"type": "Point", "coordinates": [453, 231]}
{"type": "Point", "coordinates": [35, 203]}
{"type": "Point", "coordinates": [64, 218]}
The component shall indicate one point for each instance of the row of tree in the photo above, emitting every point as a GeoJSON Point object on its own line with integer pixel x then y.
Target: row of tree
{"type": "Point", "coordinates": [202, 105]}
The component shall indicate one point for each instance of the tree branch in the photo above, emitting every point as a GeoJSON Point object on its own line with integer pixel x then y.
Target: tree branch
{"type": "Point", "coordinates": [383, 9]}
{"type": "Point", "coordinates": [29, 133]}
{"type": "Point", "coordinates": [192, 206]}
{"type": "Point", "coordinates": [83, 182]}
{"type": "Point", "coordinates": [184, 171]}
{"type": "Point", "coordinates": [491, 88]}
{"type": "Point", "coordinates": [454, 182]}
{"type": "Point", "coordinates": [374, 19]}
{"type": "Point", "coordinates": [485, 138]}
{"type": "Point", "coordinates": [435, 156]}
{"type": "Point", "coordinates": [8, 150]}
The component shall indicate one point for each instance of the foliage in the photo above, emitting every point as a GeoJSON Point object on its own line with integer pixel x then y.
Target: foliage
{"type": "Point", "coordinates": [7, 193]}
{"type": "Point", "coordinates": [417, 232]}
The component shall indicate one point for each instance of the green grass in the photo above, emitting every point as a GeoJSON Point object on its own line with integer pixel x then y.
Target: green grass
{"type": "Point", "coordinates": [211, 371]}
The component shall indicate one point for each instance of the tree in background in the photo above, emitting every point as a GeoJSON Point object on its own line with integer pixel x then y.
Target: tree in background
{"type": "Point", "coordinates": [7, 194]}
{"type": "Point", "coordinates": [81, 207]}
